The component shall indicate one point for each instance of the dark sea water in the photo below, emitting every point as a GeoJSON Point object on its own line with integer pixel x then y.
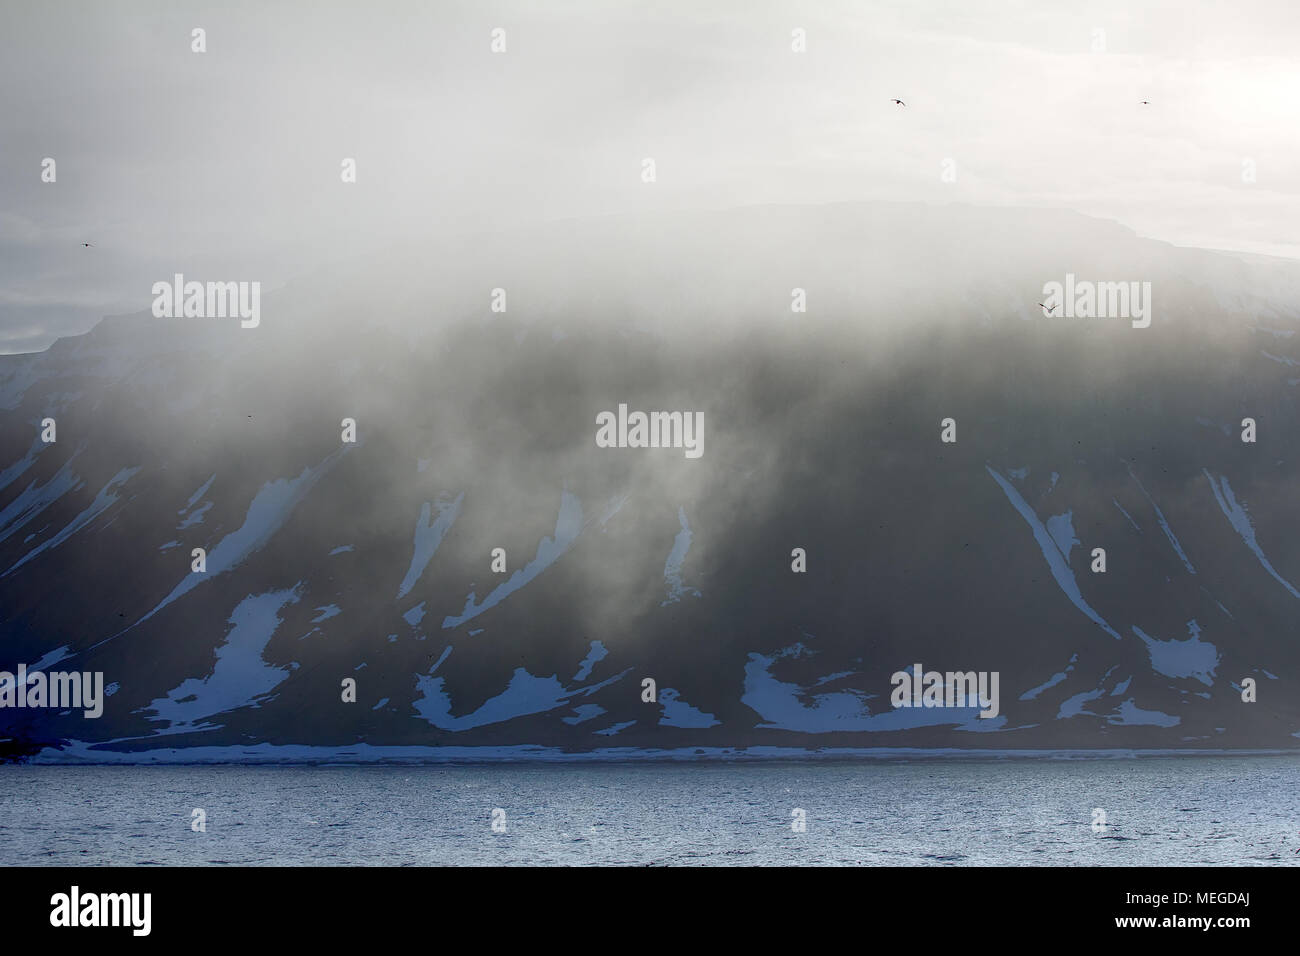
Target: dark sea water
{"type": "Point", "coordinates": [1159, 811]}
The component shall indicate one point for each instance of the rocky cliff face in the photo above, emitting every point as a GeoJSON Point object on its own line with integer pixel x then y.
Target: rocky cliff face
{"type": "Point", "coordinates": [821, 430]}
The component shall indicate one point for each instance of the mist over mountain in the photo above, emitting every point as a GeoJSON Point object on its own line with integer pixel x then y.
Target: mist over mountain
{"type": "Point", "coordinates": [821, 431]}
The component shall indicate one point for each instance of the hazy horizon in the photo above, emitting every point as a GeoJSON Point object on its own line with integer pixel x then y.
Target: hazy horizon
{"type": "Point", "coordinates": [226, 163]}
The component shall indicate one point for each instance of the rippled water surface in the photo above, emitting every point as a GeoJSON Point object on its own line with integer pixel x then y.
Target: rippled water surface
{"type": "Point", "coordinates": [1159, 811]}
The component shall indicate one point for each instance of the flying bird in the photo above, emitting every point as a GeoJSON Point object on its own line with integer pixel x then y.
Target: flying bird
{"type": "Point", "coordinates": [899, 102]}
{"type": "Point", "coordinates": [86, 244]}
{"type": "Point", "coordinates": [1047, 310]}
{"type": "Point", "coordinates": [1146, 102]}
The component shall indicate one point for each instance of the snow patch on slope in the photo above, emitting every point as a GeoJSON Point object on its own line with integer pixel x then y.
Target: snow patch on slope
{"type": "Point", "coordinates": [1061, 528]}
{"type": "Point", "coordinates": [525, 695]}
{"type": "Point", "coordinates": [595, 655]}
{"type": "Point", "coordinates": [103, 500]}
{"type": "Point", "coordinates": [584, 712]}
{"type": "Point", "coordinates": [1055, 559]}
{"type": "Point", "coordinates": [1051, 681]}
{"type": "Point", "coordinates": [673, 566]}
{"type": "Point", "coordinates": [1190, 658]}
{"type": "Point", "coordinates": [568, 525]}
{"type": "Point", "coordinates": [781, 707]}
{"type": "Point", "coordinates": [1164, 525]}
{"type": "Point", "coordinates": [1131, 714]}
{"type": "Point", "coordinates": [1239, 518]}
{"type": "Point", "coordinates": [33, 500]}
{"type": "Point", "coordinates": [427, 538]}
{"type": "Point", "coordinates": [269, 509]}
{"type": "Point", "coordinates": [678, 713]}
{"type": "Point", "coordinates": [239, 677]}
{"type": "Point", "coordinates": [203, 489]}
{"type": "Point", "coordinates": [1126, 515]}
{"type": "Point", "coordinates": [16, 470]}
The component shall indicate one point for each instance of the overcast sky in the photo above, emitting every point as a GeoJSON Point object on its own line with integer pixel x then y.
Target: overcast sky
{"type": "Point", "coordinates": [226, 164]}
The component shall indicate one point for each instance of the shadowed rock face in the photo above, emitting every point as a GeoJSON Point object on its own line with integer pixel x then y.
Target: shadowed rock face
{"type": "Point", "coordinates": [821, 431]}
